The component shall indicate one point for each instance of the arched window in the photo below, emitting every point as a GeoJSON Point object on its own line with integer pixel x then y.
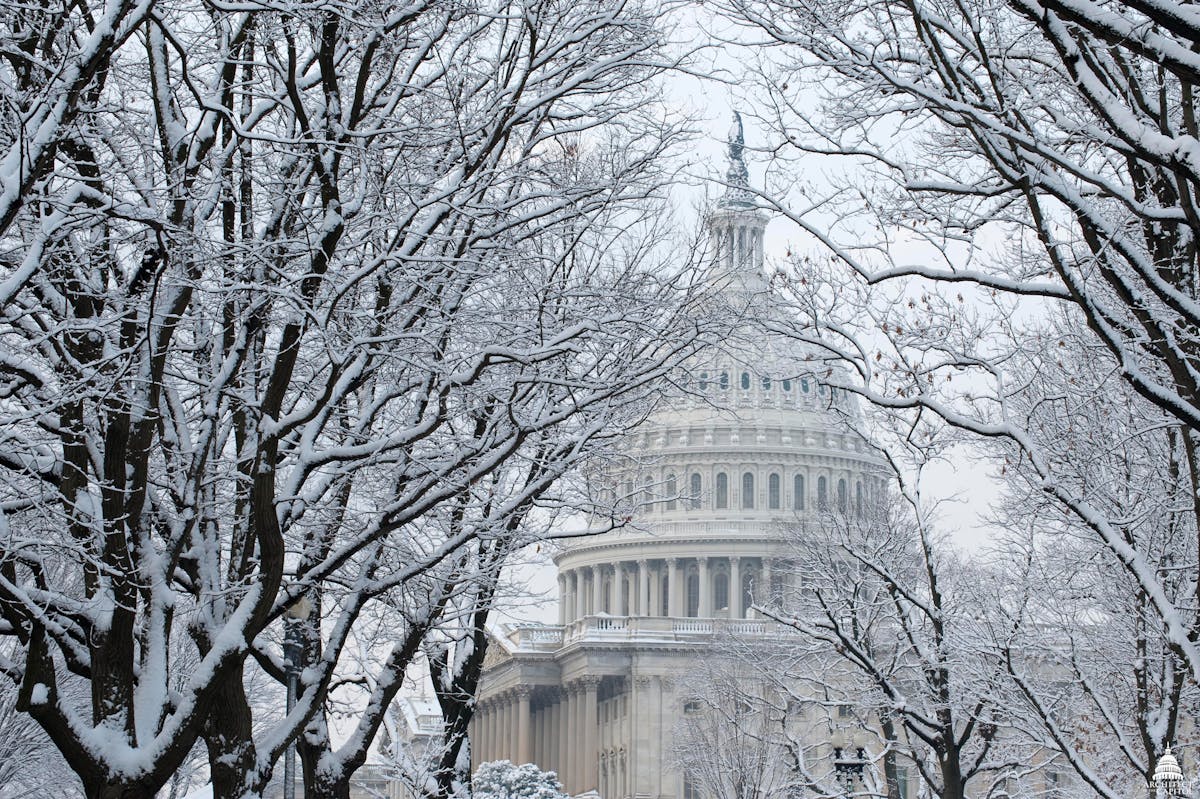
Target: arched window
{"type": "Point", "coordinates": [694, 494]}
{"type": "Point", "coordinates": [748, 490]}
{"type": "Point", "coordinates": [787, 386]}
{"type": "Point", "coordinates": [745, 381]}
{"type": "Point", "coordinates": [858, 498]}
{"type": "Point", "coordinates": [723, 381]}
{"type": "Point", "coordinates": [798, 492]}
{"type": "Point", "coordinates": [704, 381]}
{"type": "Point", "coordinates": [822, 494]}
{"type": "Point", "coordinates": [766, 383]}
{"type": "Point", "coordinates": [804, 384]}
{"type": "Point", "coordinates": [647, 490]}
{"type": "Point", "coordinates": [721, 590]}
{"type": "Point", "coordinates": [842, 496]}
{"type": "Point", "coordinates": [693, 594]}
{"type": "Point", "coordinates": [773, 491]}
{"type": "Point", "coordinates": [672, 490]}
{"type": "Point", "coordinates": [722, 490]}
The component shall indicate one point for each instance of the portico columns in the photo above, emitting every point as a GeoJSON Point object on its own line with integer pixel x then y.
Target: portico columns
{"type": "Point", "coordinates": [562, 599]}
{"type": "Point", "coordinates": [706, 608]}
{"type": "Point", "coordinates": [672, 587]}
{"type": "Point", "coordinates": [735, 588]}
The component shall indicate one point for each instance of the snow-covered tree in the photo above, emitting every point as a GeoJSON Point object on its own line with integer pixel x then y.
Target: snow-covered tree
{"type": "Point", "coordinates": [1087, 652]}
{"type": "Point", "coordinates": [305, 307]}
{"type": "Point", "coordinates": [988, 161]}
{"type": "Point", "coordinates": [889, 629]}
{"type": "Point", "coordinates": [501, 779]}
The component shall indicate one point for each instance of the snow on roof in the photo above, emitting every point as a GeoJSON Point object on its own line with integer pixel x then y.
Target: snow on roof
{"type": "Point", "coordinates": [422, 715]}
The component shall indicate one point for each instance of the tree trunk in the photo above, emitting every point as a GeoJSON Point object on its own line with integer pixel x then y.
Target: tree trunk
{"type": "Point", "coordinates": [229, 738]}
{"type": "Point", "coordinates": [331, 787]}
{"type": "Point", "coordinates": [105, 789]}
{"type": "Point", "coordinates": [891, 772]}
{"type": "Point", "coordinates": [951, 768]}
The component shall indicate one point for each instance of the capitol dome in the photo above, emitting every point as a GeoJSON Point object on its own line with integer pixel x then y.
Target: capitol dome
{"type": "Point", "coordinates": [751, 444]}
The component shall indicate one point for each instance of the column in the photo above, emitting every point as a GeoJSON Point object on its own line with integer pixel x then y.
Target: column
{"type": "Point", "coordinates": [591, 757]}
{"type": "Point", "coordinates": [656, 741]}
{"type": "Point", "coordinates": [486, 736]}
{"type": "Point", "coordinates": [597, 590]}
{"type": "Point", "coordinates": [481, 743]}
{"type": "Point", "coordinates": [673, 587]}
{"type": "Point", "coordinates": [524, 722]}
{"type": "Point", "coordinates": [474, 733]}
{"type": "Point", "coordinates": [631, 595]}
{"type": "Point", "coordinates": [573, 590]}
{"type": "Point", "coordinates": [570, 739]}
{"type": "Point", "coordinates": [706, 608]}
{"type": "Point", "coordinates": [735, 588]}
{"type": "Point", "coordinates": [513, 730]}
{"type": "Point", "coordinates": [562, 600]}
{"type": "Point", "coordinates": [764, 594]}
{"type": "Point", "coordinates": [541, 738]}
{"type": "Point", "coordinates": [644, 587]}
{"type": "Point", "coordinates": [553, 733]}
{"type": "Point", "coordinates": [618, 590]}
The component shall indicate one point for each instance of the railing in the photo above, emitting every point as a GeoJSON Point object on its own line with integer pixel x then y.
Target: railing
{"type": "Point", "coordinates": [635, 628]}
{"type": "Point", "coordinates": [537, 638]}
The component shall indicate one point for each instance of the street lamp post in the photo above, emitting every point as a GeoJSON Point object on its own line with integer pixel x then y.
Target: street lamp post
{"type": "Point", "coordinates": [293, 649]}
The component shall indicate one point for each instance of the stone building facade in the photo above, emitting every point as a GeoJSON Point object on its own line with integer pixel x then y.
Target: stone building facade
{"type": "Point", "coordinates": [756, 444]}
